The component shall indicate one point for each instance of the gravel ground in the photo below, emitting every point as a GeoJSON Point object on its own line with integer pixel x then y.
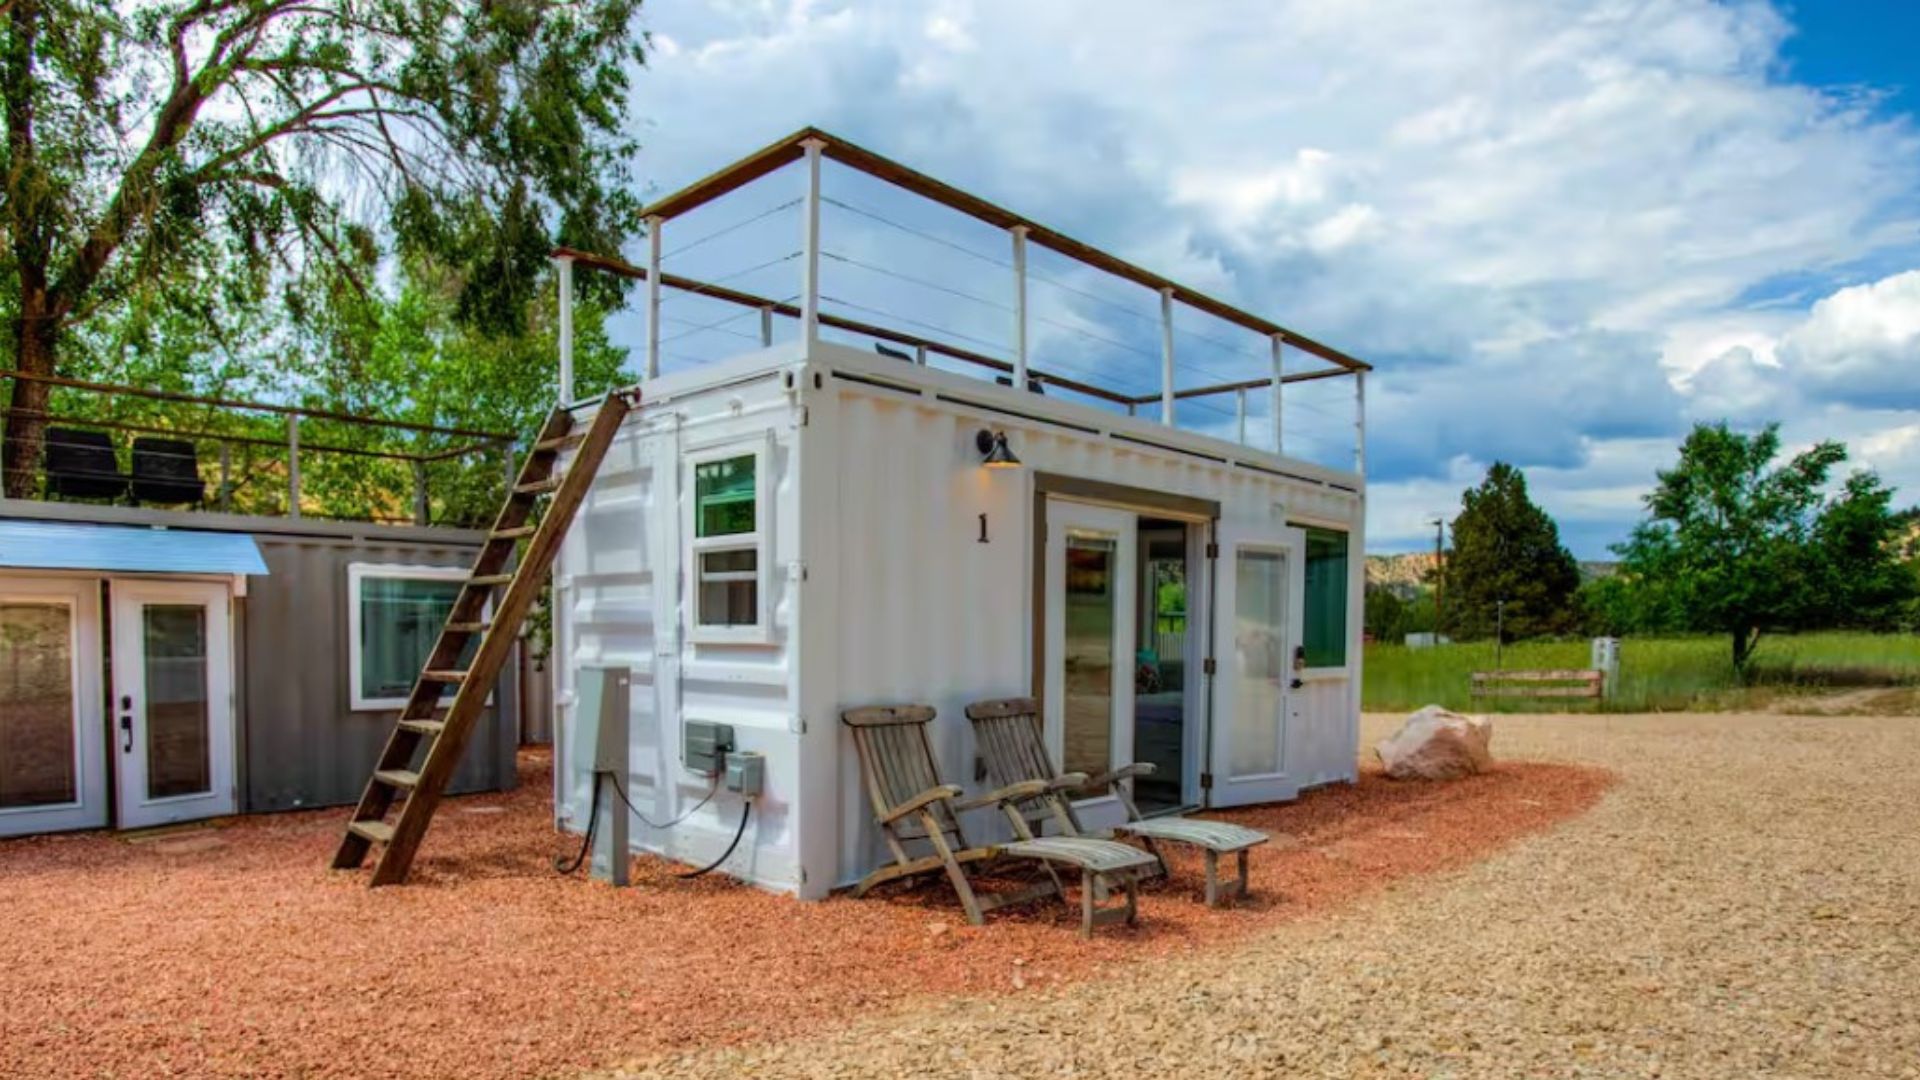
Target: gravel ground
{"type": "Point", "coordinates": [234, 952]}
{"type": "Point", "coordinates": [1745, 902]}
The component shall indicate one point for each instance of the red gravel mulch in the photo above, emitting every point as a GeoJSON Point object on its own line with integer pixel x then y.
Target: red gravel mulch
{"type": "Point", "coordinates": [234, 951]}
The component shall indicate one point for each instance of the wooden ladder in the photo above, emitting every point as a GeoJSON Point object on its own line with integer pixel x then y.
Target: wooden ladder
{"type": "Point", "coordinates": [436, 742]}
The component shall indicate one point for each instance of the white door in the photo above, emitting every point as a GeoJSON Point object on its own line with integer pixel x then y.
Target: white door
{"type": "Point", "coordinates": [52, 754]}
{"type": "Point", "coordinates": [173, 725]}
{"type": "Point", "coordinates": [1087, 691]}
{"type": "Point", "coordinates": [1257, 637]}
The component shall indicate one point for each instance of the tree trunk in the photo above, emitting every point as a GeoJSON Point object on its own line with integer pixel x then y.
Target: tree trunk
{"type": "Point", "coordinates": [1743, 642]}
{"type": "Point", "coordinates": [33, 334]}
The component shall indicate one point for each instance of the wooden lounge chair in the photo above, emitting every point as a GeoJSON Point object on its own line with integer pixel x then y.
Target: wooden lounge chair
{"type": "Point", "coordinates": [1011, 744]}
{"type": "Point", "coordinates": [911, 805]}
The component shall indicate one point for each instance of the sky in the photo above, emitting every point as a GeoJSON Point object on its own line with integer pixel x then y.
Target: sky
{"type": "Point", "coordinates": [1562, 231]}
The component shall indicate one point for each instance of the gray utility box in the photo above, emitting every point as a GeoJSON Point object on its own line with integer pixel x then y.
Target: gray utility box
{"type": "Point", "coordinates": [704, 744]}
{"type": "Point", "coordinates": [600, 751]}
{"type": "Point", "coordinates": [600, 723]}
{"type": "Point", "coordinates": [746, 773]}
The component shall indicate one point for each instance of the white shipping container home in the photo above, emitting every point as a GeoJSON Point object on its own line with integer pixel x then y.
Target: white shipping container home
{"type": "Point", "coordinates": [812, 525]}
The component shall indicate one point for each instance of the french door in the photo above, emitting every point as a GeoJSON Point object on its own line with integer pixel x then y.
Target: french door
{"type": "Point", "coordinates": [1090, 629]}
{"type": "Point", "coordinates": [52, 758]}
{"type": "Point", "coordinates": [1260, 619]}
{"type": "Point", "coordinates": [173, 727]}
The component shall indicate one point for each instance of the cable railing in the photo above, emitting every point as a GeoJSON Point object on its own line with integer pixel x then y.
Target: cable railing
{"type": "Point", "coordinates": [1050, 320]}
{"type": "Point", "coordinates": [266, 459]}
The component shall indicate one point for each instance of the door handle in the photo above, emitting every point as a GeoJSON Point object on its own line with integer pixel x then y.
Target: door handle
{"type": "Point", "coordinates": [1296, 683]}
{"type": "Point", "coordinates": [126, 728]}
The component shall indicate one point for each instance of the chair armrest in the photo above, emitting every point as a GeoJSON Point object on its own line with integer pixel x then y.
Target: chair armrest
{"type": "Point", "coordinates": [1067, 781]}
{"type": "Point", "coordinates": [919, 802]}
{"type": "Point", "coordinates": [1025, 789]}
{"type": "Point", "coordinates": [1124, 772]}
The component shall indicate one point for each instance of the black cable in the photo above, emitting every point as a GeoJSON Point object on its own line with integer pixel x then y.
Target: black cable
{"type": "Point", "coordinates": [745, 811]}
{"type": "Point", "coordinates": [560, 863]}
{"type": "Point", "coordinates": [690, 810]}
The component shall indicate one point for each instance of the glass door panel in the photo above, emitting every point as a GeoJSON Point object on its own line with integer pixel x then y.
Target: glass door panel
{"type": "Point", "coordinates": [38, 763]}
{"type": "Point", "coordinates": [1259, 648]}
{"type": "Point", "coordinates": [179, 752]}
{"type": "Point", "coordinates": [1088, 654]}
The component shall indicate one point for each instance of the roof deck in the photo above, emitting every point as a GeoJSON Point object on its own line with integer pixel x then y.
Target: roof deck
{"type": "Point", "coordinates": [873, 253]}
{"type": "Point", "coordinates": [134, 455]}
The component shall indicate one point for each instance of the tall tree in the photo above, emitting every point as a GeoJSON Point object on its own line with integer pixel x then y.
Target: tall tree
{"type": "Point", "coordinates": [1735, 545]}
{"type": "Point", "coordinates": [273, 145]}
{"type": "Point", "coordinates": [1507, 569]}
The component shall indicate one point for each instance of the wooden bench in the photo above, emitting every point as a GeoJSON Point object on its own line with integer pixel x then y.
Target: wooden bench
{"type": "Point", "coordinates": [1550, 683]}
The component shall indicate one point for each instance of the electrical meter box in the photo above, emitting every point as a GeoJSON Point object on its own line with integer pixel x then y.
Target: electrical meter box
{"type": "Point", "coordinates": [704, 743]}
{"type": "Point", "coordinates": [600, 721]}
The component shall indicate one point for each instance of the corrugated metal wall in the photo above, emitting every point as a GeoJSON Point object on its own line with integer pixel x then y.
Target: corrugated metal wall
{"type": "Point", "coordinates": [301, 744]}
{"type": "Point", "coordinates": [930, 614]}
{"type": "Point", "coordinates": [621, 604]}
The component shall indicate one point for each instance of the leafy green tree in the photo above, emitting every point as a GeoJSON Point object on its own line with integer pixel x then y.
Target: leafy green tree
{"type": "Point", "coordinates": [1507, 568]}
{"type": "Point", "coordinates": [1386, 615]}
{"type": "Point", "coordinates": [1738, 546]}
{"type": "Point", "coordinates": [206, 155]}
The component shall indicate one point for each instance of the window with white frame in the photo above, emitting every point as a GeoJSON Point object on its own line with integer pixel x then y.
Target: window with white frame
{"type": "Point", "coordinates": [394, 616]}
{"type": "Point", "coordinates": [728, 547]}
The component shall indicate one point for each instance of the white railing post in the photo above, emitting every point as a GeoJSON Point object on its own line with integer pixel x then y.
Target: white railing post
{"type": "Point", "coordinates": [1019, 307]}
{"type": "Point", "coordinates": [293, 465]}
{"type": "Point", "coordinates": [1166, 356]}
{"type": "Point", "coordinates": [920, 355]}
{"type": "Point", "coordinates": [654, 226]}
{"type": "Point", "coordinates": [810, 249]}
{"type": "Point", "coordinates": [1360, 422]}
{"type": "Point", "coordinates": [766, 327]}
{"type": "Point", "coordinates": [1240, 414]}
{"type": "Point", "coordinates": [563, 269]}
{"type": "Point", "coordinates": [1279, 347]}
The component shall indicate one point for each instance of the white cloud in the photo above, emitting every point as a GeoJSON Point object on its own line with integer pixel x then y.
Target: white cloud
{"type": "Point", "coordinates": [1862, 344]}
{"type": "Point", "coordinates": [1545, 219]}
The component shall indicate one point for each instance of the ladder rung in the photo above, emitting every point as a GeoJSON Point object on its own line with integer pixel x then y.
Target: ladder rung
{"type": "Point", "coordinates": [514, 533]}
{"type": "Point", "coordinates": [401, 778]}
{"type": "Point", "coordinates": [537, 487]}
{"type": "Point", "coordinates": [423, 727]}
{"type": "Point", "coordinates": [467, 627]}
{"type": "Point", "coordinates": [377, 831]}
{"type": "Point", "coordinates": [560, 443]}
{"type": "Point", "coordinates": [443, 676]}
{"type": "Point", "coordinates": [489, 579]}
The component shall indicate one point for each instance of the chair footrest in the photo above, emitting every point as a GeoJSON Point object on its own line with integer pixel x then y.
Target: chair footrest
{"type": "Point", "coordinates": [1098, 856]}
{"type": "Point", "coordinates": [1219, 836]}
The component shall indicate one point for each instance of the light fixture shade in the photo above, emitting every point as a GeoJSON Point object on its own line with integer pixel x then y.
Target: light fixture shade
{"type": "Point", "coordinates": [998, 455]}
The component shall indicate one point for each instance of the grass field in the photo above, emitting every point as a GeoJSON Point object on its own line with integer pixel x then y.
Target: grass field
{"type": "Point", "coordinates": [1661, 673]}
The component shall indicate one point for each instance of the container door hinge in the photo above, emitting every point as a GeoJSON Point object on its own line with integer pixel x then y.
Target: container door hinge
{"type": "Point", "coordinates": [801, 420]}
{"type": "Point", "coordinates": [797, 724]}
{"type": "Point", "coordinates": [1208, 666]}
{"type": "Point", "coordinates": [1206, 781]}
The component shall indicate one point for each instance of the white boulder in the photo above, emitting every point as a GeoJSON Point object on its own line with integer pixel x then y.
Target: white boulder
{"type": "Point", "coordinates": [1436, 744]}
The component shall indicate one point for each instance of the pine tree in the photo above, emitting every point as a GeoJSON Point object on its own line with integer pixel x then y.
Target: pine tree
{"type": "Point", "coordinates": [1507, 568]}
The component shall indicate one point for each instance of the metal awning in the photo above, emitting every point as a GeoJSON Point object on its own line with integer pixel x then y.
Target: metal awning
{"type": "Point", "coordinates": [55, 545]}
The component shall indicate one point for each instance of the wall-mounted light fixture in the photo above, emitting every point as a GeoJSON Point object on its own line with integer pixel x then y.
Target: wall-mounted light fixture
{"type": "Point", "coordinates": [996, 454]}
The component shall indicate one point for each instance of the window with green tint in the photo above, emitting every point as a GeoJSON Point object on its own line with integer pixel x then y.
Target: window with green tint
{"type": "Point", "coordinates": [1326, 613]}
{"type": "Point", "coordinates": [723, 495]}
{"type": "Point", "coordinates": [400, 619]}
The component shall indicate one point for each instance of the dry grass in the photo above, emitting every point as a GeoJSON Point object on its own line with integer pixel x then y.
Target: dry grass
{"type": "Point", "coordinates": [1745, 902]}
{"type": "Point", "coordinates": [234, 952]}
